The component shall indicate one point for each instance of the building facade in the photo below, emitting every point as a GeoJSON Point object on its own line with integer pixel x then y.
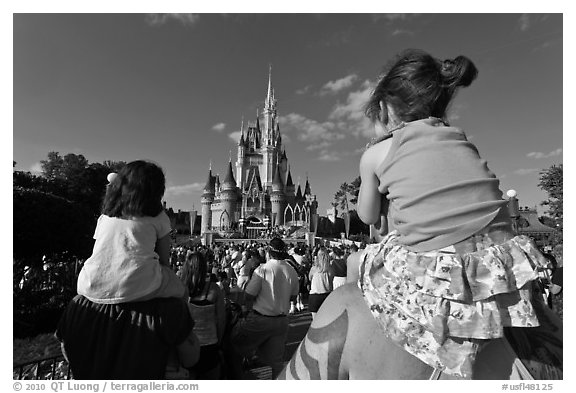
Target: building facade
{"type": "Point", "coordinates": [257, 191]}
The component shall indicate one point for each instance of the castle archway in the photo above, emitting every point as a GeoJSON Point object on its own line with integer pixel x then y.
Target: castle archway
{"type": "Point", "coordinates": [288, 214]}
{"type": "Point", "coordinates": [224, 221]}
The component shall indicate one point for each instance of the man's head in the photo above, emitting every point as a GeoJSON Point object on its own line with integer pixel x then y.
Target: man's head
{"type": "Point", "coordinates": [277, 248]}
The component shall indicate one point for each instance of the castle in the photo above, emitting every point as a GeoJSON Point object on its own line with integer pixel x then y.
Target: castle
{"type": "Point", "coordinates": [262, 194]}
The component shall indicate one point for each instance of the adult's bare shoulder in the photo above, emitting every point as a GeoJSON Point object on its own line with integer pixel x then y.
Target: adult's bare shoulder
{"type": "Point", "coordinates": [345, 342]}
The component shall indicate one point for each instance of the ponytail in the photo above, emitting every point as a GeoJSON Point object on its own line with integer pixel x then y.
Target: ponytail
{"type": "Point", "coordinates": [458, 72]}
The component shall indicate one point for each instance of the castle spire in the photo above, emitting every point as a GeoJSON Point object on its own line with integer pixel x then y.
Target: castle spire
{"type": "Point", "coordinates": [241, 141]}
{"type": "Point", "coordinates": [289, 181]}
{"type": "Point", "coordinates": [209, 187]}
{"type": "Point", "coordinates": [307, 190]}
{"type": "Point", "coordinates": [229, 182]}
{"type": "Point", "coordinates": [299, 192]}
{"type": "Point", "coordinates": [270, 95]}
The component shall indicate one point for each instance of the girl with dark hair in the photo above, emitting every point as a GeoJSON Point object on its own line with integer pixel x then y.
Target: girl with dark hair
{"type": "Point", "coordinates": [130, 260]}
{"type": "Point", "coordinates": [128, 279]}
{"type": "Point", "coordinates": [207, 307]}
{"type": "Point", "coordinates": [449, 289]}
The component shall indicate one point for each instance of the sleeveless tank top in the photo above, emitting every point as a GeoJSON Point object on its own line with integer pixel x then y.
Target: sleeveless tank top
{"type": "Point", "coordinates": [440, 190]}
{"type": "Point", "coordinates": [204, 315]}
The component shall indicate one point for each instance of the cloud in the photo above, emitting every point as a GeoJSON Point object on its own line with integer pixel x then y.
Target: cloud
{"type": "Point", "coordinates": [219, 127]}
{"type": "Point", "coordinates": [391, 18]}
{"type": "Point", "coordinates": [185, 189]}
{"type": "Point", "coordinates": [398, 32]}
{"type": "Point", "coordinates": [524, 22]}
{"type": "Point", "coordinates": [337, 38]}
{"type": "Point", "coordinates": [333, 87]}
{"type": "Point", "coordinates": [304, 90]}
{"type": "Point", "coordinates": [307, 130]}
{"type": "Point", "coordinates": [235, 136]}
{"type": "Point", "coordinates": [538, 155]}
{"type": "Point", "coordinates": [328, 156]}
{"type": "Point", "coordinates": [36, 168]}
{"type": "Point", "coordinates": [526, 171]}
{"type": "Point", "coordinates": [161, 19]}
{"type": "Point", "coordinates": [545, 45]}
{"type": "Point", "coordinates": [350, 114]}
{"type": "Point", "coordinates": [318, 146]}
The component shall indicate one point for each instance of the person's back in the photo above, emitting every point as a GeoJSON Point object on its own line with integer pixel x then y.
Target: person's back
{"type": "Point", "coordinates": [101, 341]}
{"type": "Point", "coordinates": [440, 190]}
{"type": "Point", "coordinates": [273, 284]}
{"type": "Point", "coordinates": [123, 247]}
{"type": "Point", "coordinates": [268, 294]}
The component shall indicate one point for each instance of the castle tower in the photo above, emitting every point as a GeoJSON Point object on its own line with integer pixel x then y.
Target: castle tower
{"type": "Point", "coordinates": [268, 135]}
{"type": "Point", "coordinates": [299, 199]}
{"type": "Point", "coordinates": [228, 196]}
{"type": "Point", "coordinates": [270, 113]}
{"type": "Point", "coordinates": [289, 190]}
{"type": "Point", "coordinates": [242, 146]}
{"type": "Point", "coordinates": [207, 200]}
{"type": "Point", "coordinates": [310, 202]}
{"type": "Point", "coordinates": [278, 199]}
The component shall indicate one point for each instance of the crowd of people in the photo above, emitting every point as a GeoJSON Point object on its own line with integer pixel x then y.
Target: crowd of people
{"type": "Point", "coordinates": [447, 290]}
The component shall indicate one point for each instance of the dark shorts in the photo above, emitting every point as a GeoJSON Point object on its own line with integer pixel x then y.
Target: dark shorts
{"type": "Point", "coordinates": [209, 358]}
{"type": "Point", "coordinates": [315, 300]}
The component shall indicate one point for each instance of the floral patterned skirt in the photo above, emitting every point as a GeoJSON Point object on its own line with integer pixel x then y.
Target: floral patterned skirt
{"type": "Point", "coordinates": [442, 305]}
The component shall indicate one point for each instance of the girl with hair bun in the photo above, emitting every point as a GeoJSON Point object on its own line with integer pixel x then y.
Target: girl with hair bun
{"type": "Point", "coordinates": [448, 288]}
{"type": "Point", "coordinates": [130, 260]}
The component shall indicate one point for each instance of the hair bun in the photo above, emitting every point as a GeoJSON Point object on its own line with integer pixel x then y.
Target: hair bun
{"type": "Point", "coordinates": [458, 72]}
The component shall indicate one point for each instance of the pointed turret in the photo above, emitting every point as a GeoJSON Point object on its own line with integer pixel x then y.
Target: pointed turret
{"type": "Point", "coordinates": [270, 95]}
{"type": "Point", "coordinates": [229, 183]}
{"type": "Point", "coordinates": [277, 182]}
{"type": "Point", "coordinates": [298, 193]}
{"type": "Point", "coordinates": [209, 187]}
{"type": "Point", "coordinates": [307, 190]}
{"type": "Point", "coordinates": [284, 155]}
{"type": "Point", "coordinates": [241, 141]}
{"type": "Point", "coordinates": [207, 200]}
{"type": "Point", "coordinates": [289, 182]}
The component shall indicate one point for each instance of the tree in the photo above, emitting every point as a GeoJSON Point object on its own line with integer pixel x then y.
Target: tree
{"type": "Point", "coordinates": [74, 178]}
{"type": "Point", "coordinates": [347, 194]}
{"type": "Point", "coordinates": [551, 181]}
{"type": "Point", "coordinates": [52, 167]}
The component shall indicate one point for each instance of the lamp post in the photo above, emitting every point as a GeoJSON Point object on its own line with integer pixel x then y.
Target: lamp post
{"type": "Point", "coordinates": [513, 209]}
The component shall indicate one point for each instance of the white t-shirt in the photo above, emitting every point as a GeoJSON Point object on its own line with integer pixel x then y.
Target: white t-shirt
{"type": "Point", "coordinates": [123, 266]}
{"type": "Point", "coordinates": [273, 283]}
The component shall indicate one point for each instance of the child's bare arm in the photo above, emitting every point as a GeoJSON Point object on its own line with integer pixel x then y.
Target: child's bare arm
{"type": "Point", "coordinates": [163, 250]}
{"type": "Point", "coordinates": [369, 198]}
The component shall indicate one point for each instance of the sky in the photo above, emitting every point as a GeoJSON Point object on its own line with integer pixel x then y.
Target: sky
{"type": "Point", "coordinates": [175, 88]}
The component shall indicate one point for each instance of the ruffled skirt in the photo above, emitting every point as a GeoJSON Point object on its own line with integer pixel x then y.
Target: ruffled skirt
{"type": "Point", "coordinates": [442, 305]}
